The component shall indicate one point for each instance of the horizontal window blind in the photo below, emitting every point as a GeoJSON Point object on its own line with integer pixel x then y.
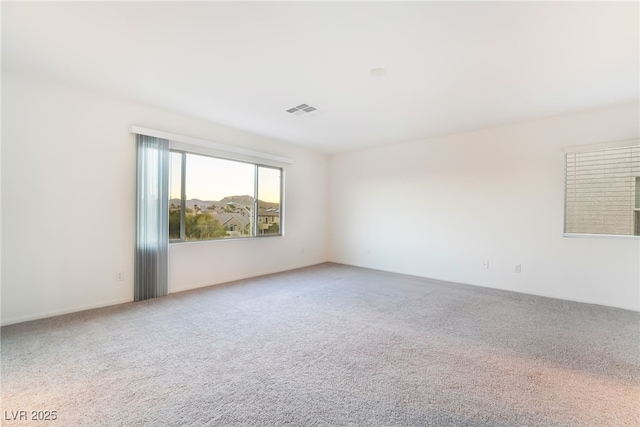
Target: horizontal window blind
{"type": "Point", "coordinates": [602, 194]}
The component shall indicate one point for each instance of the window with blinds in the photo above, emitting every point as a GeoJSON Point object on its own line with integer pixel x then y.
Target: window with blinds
{"type": "Point", "coordinates": [602, 191]}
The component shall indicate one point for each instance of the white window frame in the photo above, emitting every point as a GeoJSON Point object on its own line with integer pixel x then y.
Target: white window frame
{"type": "Point", "coordinates": [190, 145]}
{"type": "Point", "coordinates": [255, 211]}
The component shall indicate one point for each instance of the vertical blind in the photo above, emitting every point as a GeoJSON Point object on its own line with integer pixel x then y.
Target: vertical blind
{"type": "Point", "coordinates": [601, 191]}
{"type": "Point", "coordinates": [152, 218]}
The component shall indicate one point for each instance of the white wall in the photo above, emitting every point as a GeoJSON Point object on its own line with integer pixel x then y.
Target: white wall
{"type": "Point", "coordinates": [435, 208]}
{"type": "Point", "coordinates": [440, 207]}
{"type": "Point", "coordinates": [68, 203]}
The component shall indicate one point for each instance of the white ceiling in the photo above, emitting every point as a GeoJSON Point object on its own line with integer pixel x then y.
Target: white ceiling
{"type": "Point", "coordinates": [451, 67]}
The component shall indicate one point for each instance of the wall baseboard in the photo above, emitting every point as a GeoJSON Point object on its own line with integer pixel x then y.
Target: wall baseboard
{"type": "Point", "coordinates": [241, 277]}
{"type": "Point", "coordinates": [622, 307]}
{"type": "Point", "coordinates": [47, 314]}
{"type": "Point", "coordinates": [44, 315]}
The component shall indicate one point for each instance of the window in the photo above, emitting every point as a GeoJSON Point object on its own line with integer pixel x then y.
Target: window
{"type": "Point", "coordinates": [602, 191]}
{"type": "Point", "coordinates": [215, 198]}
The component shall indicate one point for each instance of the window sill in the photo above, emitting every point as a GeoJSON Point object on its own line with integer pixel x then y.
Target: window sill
{"type": "Point", "coordinates": [171, 242]}
{"type": "Point", "coordinates": [601, 236]}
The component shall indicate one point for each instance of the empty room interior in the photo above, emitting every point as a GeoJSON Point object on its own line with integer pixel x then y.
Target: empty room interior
{"type": "Point", "coordinates": [320, 213]}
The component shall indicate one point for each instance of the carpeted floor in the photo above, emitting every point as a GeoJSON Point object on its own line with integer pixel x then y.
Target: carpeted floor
{"type": "Point", "coordinates": [329, 345]}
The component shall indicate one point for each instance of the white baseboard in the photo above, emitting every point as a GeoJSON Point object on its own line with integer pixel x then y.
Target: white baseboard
{"type": "Point", "coordinates": [240, 277]}
{"type": "Point", "coordinates": [46, 314]}
{"type": "Point", "coordinates": [582, 301]}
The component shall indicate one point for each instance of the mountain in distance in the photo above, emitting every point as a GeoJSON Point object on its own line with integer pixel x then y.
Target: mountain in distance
{"type": "Point", "coordinates": [245, 200]}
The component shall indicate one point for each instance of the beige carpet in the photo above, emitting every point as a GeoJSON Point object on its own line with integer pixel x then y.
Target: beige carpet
{"type": "Point", "coordinates": [329, 345]}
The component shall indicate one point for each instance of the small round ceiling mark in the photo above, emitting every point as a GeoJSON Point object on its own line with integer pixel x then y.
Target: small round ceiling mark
{"type": "Point", "coordinates": [377, 72]}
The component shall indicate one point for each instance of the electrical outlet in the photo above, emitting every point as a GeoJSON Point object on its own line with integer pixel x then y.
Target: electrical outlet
{"type": "Point", "coordinates": [119, 276]}
{"type": "Point", "coordinates": [485, 265]}
{"type": "Point", "coordinates": [517, 268]}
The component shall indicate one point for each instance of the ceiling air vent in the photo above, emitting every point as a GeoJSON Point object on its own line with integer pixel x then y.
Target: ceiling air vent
{"type": "Point", "coordinates": [302, 109]}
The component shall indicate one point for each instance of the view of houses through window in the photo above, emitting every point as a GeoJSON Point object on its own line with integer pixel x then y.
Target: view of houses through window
{"type": "Point", "coordinates": [213, 198]}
